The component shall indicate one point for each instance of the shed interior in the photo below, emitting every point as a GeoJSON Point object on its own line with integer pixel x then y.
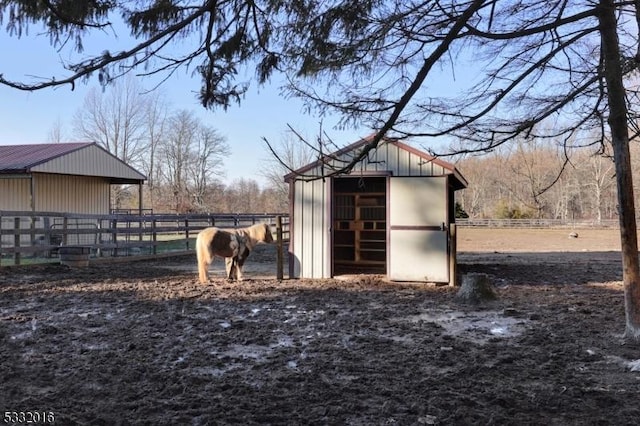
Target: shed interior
{"type": "Point", "coordinates": [359, 225]}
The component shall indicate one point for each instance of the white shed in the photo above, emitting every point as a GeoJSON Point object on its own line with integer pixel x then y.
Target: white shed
{"type": "Point", "coordinates": [61, 177]}
{"type": "Point", "coordinates": [391, 215]}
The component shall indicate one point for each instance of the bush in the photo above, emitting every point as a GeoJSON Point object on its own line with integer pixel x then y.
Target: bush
{"type": "Point", "coordinates": [460, 213]}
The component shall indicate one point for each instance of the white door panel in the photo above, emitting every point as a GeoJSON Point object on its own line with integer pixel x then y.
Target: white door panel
{"type": "Point", "coordinates": [418, 236]}
{"type": "Point", "coordinates": [418, 201]}
{"type": "Point", "coordinates": [419, 256]}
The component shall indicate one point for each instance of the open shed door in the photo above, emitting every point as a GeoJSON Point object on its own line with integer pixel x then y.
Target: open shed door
{"type": "Point", "coordinates": [418, 231]}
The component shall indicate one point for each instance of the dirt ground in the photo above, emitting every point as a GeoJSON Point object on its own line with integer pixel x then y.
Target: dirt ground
{"type": "Point", "coordinates": [144, 343]}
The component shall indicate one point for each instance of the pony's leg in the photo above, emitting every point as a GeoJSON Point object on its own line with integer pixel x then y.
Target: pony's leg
{"type": "Point", "coordinates": [203, 268]}
{"type": "Point", "coordinates": [240, 273]}
{"type": "Point", "coordinates": [240, 264]}
{"type": "Point", "coordinates": [235, 270]}
{"type": "Point", "coordinates": [230, 267]}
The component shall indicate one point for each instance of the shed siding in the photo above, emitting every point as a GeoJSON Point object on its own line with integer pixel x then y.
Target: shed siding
{"type": "Point", "coordinates": [377, 161]}
{"type": "Point", "coordinates": [310, 248]}
{"type": "Point", "coordinates": [61, 193]}
{"type": "Point", "coordinates": [15, 194]}
{"type": "Point", "coordinates": [388, 157]}
{"type": "Point", "coordinates": [89, 161]}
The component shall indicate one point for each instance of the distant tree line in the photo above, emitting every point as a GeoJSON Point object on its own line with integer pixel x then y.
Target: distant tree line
{"type": "Point", "coordinates": [540, 179]}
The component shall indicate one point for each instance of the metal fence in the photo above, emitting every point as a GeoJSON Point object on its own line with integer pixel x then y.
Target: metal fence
{"type": "Point", "coordinates": [38, 236]}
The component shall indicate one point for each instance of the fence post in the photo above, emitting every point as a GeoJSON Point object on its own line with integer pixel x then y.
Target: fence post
{"type": "Point", "coordinates": [453, 255]}
{"type": "Point", "coordinates": [114, 236]}
{"type": "Point", "coordinates": [65, 225]}
{"type": "Point", "coordinates": [16, 240]}
{"type": "Point", "coordinates": [280, 263]}
{"type": "Point", "coordinates": [154, 236]}
{"type": "Point", "coordinates": [186, 225]}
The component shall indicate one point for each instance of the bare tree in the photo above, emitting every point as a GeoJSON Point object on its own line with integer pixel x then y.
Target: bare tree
{"type": "Point", "coordinates": [116, 120]}
{"type": "Point", "coordinates": [156, 123]}
{"type": "Point", "coordinates": [208, 153]}
{"type": "Point", "coordinates": [290, 152]}
{"type": "Point", "coordinates": [617, 119]}
{"type": "Point", "coordinates": [478, 200]}
{"type": "Point", "coordinates": [175, 155]}
{"type": "Point", "coordinates": [243, 196]}
{"type": "Point", "coordinates": [597, 172]}
{"type": "Point", "coordinates": [189, 158]}
{"type": "Point", "coordinates": [56, 133]}
{"type": "Point", "coordinates": [535, 168]}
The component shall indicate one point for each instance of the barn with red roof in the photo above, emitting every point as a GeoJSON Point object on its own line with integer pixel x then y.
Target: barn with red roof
{"type": "Point", "coordinates": [62, 177]}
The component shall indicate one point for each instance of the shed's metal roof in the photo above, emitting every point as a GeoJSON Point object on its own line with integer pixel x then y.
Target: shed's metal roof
{"type": "Point", "coordinates": [459, 181]}
{"type": "Point", "coordinates": [78, 158]}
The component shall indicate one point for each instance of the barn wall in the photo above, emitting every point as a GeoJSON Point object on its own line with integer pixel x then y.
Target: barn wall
{"type": "Point", "coordinates": [15, 194]}
{"type": "Point", "coordinates": [74, 194]}
{"type": "Point", "coordinates": [310, 234]}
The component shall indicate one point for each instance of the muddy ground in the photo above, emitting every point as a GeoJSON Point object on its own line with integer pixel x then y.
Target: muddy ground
{"type": "Point", "coordinates": [144, 343]}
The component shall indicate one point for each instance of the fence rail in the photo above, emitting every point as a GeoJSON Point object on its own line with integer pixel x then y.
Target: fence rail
{"type": "Point", "coordinates": [538, 223]}
{"type": "Point", "coordinates": [38, 236]}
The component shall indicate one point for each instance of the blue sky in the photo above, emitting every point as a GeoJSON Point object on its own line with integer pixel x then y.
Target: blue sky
{"type": "Point", "coordinates": [28, 117]}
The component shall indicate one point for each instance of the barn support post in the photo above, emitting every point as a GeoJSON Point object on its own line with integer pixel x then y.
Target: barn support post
{"type": "Point", "coordinates": [16, 240]}
{"type": "Point", "coordinates": [279, 249]}
{"type": "Point", "coordinates": [32, 205]}
{"type": "Point", "coordinates": [32, 192]}
{"type": "Point", "coordinates": [453, 254]}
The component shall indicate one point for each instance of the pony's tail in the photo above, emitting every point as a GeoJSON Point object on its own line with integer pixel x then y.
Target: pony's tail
{"type": "Point", "coordinates": [204, 256]}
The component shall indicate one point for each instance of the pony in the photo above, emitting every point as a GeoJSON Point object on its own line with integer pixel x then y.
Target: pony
{"type": "Point", "coordinates": [233, 245]}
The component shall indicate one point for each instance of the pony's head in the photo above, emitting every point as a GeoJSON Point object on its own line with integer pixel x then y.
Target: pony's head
{"type": "Point", "coordinates": [267, 237]}
{"type": "Point", "coordinates": [258, 233]}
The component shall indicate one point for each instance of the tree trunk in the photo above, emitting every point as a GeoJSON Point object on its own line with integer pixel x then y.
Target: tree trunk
{"type": "Point", "coordinates": [611, 61]}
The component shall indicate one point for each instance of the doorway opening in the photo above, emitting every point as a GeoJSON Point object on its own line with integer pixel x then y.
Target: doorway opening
{"type": "Point", "coordinates": [359, 225]}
